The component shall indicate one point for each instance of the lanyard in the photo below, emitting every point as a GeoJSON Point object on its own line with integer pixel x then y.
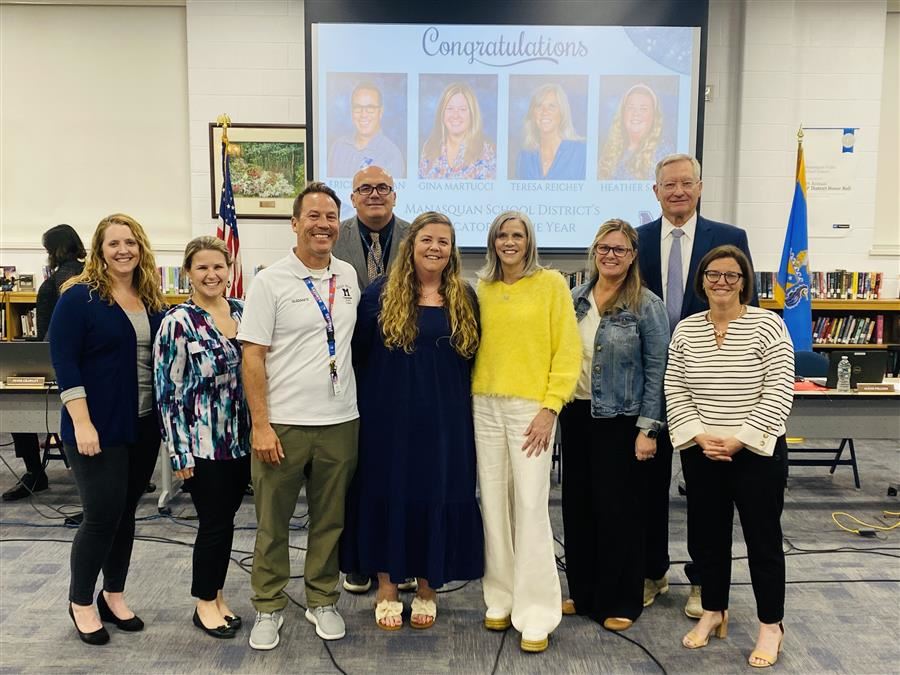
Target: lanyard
{"type": "Point", "coordinates": [329, 328]}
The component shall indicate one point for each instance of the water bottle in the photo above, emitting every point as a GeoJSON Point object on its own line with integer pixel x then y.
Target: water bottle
{"type": "Point", "coordinates": [843, 374]}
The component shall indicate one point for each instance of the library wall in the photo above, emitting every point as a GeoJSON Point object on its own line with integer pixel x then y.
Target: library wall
{"type": "Point", "coordinates": [772, 64]}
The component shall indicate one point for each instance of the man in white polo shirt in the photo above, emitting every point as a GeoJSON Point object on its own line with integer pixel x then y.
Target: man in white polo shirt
{"type": "Point", "coordinates": [298, 377]}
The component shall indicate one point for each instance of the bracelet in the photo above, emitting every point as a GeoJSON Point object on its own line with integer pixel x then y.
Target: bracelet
{"type": "Point", "coordinates": [552, 412]}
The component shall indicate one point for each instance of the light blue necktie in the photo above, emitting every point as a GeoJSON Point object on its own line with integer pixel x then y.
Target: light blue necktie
{"type": "Point", "coordinates": [675, 280]}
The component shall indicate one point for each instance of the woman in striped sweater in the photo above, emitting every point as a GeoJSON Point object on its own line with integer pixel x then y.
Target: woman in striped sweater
{"type": "Point", "coordinates": [729, 388]}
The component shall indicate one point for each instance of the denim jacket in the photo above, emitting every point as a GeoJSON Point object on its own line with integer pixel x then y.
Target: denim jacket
{"type": "Point", "coordinates": [629, 359]}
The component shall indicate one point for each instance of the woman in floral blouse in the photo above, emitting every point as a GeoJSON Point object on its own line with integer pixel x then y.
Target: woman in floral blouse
{"type": "Point", "coordinates": [457, 147]}
{"type": "Point", "coordinates": [204, 419]}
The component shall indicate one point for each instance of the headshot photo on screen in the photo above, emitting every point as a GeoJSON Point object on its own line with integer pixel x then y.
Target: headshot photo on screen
{"type": "Point", "coordinates": [547, 120]}
{"type": "Point", "coordinates": [638, 125]}
{"type": "Point", "coordinates": [366, 123]}
{"type": "Point", "coordinates": [458, 126]}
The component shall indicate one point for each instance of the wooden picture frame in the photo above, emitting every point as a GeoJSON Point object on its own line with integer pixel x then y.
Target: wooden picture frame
{"type": "Point", "coordinates": [266, 175]}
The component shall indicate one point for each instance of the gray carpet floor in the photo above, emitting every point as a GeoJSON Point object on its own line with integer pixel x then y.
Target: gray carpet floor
{"type": "Point", "coordinates": [842, 612]}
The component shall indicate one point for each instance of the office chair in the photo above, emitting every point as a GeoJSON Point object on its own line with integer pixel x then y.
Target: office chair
{"type": "Point", "coordinates": [810, 364]}
{"type": "Point", "coordinates": [813, 364]}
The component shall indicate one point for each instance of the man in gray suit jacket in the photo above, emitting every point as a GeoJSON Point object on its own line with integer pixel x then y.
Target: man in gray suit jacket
{"type": "Point", "coordinates": [370, 239]}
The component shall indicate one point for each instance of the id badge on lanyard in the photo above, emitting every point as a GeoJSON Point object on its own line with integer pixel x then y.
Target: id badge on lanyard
{"type": "Point", "coordinates": [329, 329]}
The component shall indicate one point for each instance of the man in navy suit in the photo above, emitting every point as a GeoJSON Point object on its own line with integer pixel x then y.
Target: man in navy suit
{"type": "Point", "coordinates": [669, 250]}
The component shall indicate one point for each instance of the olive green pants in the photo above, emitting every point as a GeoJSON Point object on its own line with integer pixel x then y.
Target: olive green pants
{"type": "Point", "coordinates": [324, 457]}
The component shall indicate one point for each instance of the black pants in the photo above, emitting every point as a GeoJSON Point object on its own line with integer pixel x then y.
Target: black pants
{"type": "Point", "coordinates": [110, 485]}
{"type": "Point", "coordinates": [656, 509]}
{"type": "Point", "coordinates": [601, 508]}
{"type": "Point", "coordinates": [28, 448]}
{"type": "Point", "coordinates": [755, 485]}
{"type": "Point", "coordinates": [217, 490]}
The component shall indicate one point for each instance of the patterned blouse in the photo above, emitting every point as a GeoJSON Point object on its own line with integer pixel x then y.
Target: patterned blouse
{"type": "Point", "coordinates": [198, 387]}
{"type": "Point", "coordinates": [483, 168]}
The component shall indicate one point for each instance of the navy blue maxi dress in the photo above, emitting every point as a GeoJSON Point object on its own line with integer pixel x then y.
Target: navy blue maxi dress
{"type": "Point", "coordinates": [412, 510]}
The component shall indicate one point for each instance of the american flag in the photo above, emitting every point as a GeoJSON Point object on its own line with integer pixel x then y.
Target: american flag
{"type": "Point", "coordinates": [228, 230]}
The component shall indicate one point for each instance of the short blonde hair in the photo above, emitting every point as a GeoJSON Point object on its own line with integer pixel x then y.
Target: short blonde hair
{"type": "Point", "coordinates": [492, 270]}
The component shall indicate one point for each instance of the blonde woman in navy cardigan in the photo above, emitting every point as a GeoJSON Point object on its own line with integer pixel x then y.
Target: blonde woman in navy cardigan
{"type": "Point", "coordinates": [204, 420]}
{"type": "Point", "coordinates": [101, 338]}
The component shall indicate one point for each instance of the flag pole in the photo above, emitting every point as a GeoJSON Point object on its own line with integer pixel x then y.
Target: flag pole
{"type": "Point", "coordinates": [227, 228]}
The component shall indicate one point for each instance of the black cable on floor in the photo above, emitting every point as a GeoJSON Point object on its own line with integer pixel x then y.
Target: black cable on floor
{"type": "Point", "coordinates": [638, 644]}
{"type": "Point", "coordinates": [499, 651]}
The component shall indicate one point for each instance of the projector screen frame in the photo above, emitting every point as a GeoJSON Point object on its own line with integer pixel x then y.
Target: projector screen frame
{"type": "Point", "coordinates": [674, 13]}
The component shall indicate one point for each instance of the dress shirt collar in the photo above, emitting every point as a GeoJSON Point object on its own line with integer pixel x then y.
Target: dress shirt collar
{"type": "Point", "coordinates": [689, 228]}
{"type": "Point", "coordinates": [384, 233]}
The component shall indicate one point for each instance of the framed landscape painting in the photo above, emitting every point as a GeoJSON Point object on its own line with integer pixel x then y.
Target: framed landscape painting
{"type": "Point", "coordinates": [268, 168]}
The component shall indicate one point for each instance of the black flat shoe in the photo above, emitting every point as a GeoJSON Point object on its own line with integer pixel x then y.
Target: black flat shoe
{"type": "Point", "coordinates": [98, 637]}
{"type": "Point", "coordinates": [234, 621]}
{"type": "Point", "coordinates": [27, 486]}
{"type": "Point", "coordinates": [222, 632]}
{"type": "Point", "coordinates": [131, 625]}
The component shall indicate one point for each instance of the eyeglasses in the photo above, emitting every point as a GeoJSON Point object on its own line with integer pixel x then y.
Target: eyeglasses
{"type": "Point", "coordinates": [731, 278]}
{"type": "Point", "coordinates": [618, 251]}
{"type": "Point", "coordinates": [368, 109]}
{"type": "Point", "coordinates": [671, 186]}
{"type": "Point", "coordinates": [382, 188]}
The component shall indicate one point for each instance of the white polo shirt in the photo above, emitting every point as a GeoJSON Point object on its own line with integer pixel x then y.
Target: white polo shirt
{"type": "Point", "coordinates": [282, 314]}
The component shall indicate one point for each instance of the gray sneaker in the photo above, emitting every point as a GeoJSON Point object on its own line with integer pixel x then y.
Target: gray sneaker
{"type": "Point", "coordinates": [329, 624]}
{"type": "Point", "coordinates": [264, 635]}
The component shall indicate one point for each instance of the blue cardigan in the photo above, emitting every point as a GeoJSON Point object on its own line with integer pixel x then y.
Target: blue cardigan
{"type": "Point", "coordinates": [93, 345]}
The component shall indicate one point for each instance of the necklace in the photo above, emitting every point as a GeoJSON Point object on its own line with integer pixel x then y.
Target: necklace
{"type": "Point", "coordinates": [721, 333]}
{"type": "Point", "coordinates": [425, 296]}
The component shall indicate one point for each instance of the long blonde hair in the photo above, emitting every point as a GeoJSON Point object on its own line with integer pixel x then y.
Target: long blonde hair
{"type": "Point", "coordinates": [399, 313]}
{"type": "Point", "coordinates": [145, 278]}
{"type": "Point", "coordinates": [630, 291]}
{"type": "Point", "coordinates": [474, 139]}
{"type": "Point", "coordinates": [532, 139]}
{"type": "Point", "coordinates": [642, 161]}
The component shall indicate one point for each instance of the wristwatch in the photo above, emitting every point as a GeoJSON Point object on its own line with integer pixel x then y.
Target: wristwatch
{"type": "Point", "coordinates": [651, 433]}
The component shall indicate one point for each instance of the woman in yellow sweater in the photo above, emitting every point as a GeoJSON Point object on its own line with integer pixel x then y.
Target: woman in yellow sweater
{"type": "Point", "coordinates": [525, 370]}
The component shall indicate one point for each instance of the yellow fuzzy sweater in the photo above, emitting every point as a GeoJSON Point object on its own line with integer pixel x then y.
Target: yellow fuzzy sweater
{"type": "Point", "coordinates": [530, 347]}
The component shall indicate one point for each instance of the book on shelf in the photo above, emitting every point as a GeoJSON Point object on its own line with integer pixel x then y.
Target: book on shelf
{"type": "Point", "coordinates": [173, 279]}
{"type": "Point", "coordinates": [848, 330]}
{"type": "Point", "coordinates": [575, 278]}
{"type": "Point", "coordinates": [835, 285]}
{"type": "Point", "coordinates": [28, 320]}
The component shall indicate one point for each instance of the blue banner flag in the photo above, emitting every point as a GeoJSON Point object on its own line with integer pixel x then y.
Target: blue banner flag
{"type": "Point", "coordinates": [792, 288]}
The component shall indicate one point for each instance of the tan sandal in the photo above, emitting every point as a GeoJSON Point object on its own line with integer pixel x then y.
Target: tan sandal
{"type": "Point", "coordinates": [423, 607]}
{"type": "Point", "coordinates": [767, 659]}
{"type": "Point", "coordinates": [388, 609]}
{"type": "Point", "coordinates": [693, 641]}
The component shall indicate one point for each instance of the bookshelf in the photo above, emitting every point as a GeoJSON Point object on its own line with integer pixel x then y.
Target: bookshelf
{"type": "Point", "coordinates": [860, 310]}
{"type": "Point", "coordinates": [16, 304]}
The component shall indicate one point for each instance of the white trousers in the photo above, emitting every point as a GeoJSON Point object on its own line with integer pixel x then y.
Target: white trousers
{"type": "Point", "coordinates": [520, 577]}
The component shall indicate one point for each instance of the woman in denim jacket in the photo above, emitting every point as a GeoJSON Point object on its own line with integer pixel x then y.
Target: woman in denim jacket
{"type": "Point", "coordinates": [610, 429]}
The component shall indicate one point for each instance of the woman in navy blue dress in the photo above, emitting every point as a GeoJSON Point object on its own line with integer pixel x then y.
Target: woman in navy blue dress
{"type": "Point", "coordinates": [412, 510]}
